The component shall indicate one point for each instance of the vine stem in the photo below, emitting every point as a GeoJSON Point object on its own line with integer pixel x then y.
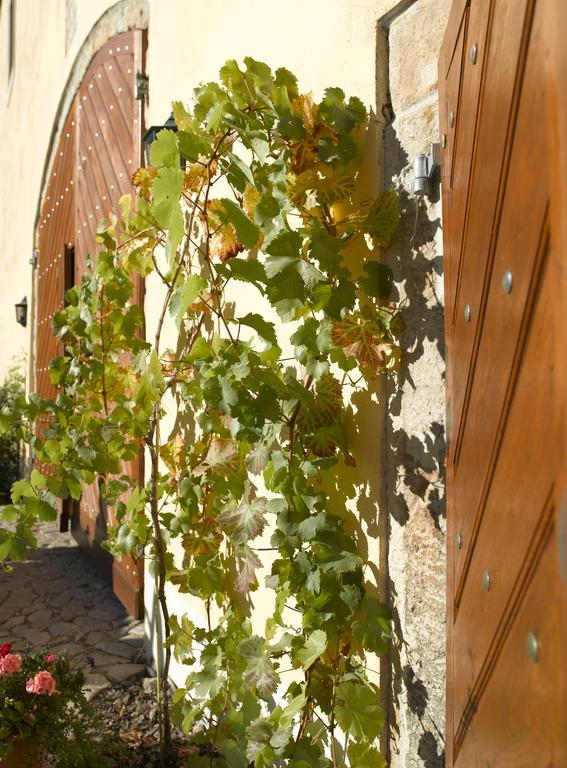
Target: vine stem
{"type": "Point", "coordinates": [332, 720]}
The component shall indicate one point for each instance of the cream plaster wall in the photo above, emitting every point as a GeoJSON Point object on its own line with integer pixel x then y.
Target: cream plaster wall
{"type": "Point", "coordinates": [203, 37]}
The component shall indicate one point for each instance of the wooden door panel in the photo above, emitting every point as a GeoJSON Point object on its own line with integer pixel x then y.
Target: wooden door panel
{"type": "Point", "coordinates": [519, 249]}
{"type": "Point", "coordinates": [109, 149]}
{"type": "Point", "coordinates": [517, 507]}
{"type": "Point", "coordinates": [450, 106]}
{"type": "Point", "coordinates": [517, 713]}
{"type": "Point", "coordinates": [492, 138]}
{"type": "Point", "coordinates": [56, 229]}
{"type": "Point", "coordinates": [507, 394]}
{"type": "Point", "coordinates": [461, 159]}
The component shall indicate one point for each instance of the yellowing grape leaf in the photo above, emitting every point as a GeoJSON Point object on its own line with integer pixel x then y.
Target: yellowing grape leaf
{"type": "Point", "coordinates": [222, 459]}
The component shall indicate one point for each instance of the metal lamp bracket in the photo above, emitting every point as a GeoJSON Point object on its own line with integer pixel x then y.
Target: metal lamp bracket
{"type": "Point", "coordinates": [425, 171]}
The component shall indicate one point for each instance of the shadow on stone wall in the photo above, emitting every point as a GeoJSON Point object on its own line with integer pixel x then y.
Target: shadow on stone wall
{"type": "Point", "coordinates": [415, 442]}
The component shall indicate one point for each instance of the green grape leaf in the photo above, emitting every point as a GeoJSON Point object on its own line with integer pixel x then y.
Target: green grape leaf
{"type": "Point", "coordinates": [315, 646]}
{"type": "Point", "coordinates": [164, 150]}
{"type": "Point", "coordinates": [167, 188]}
{"type": "Point", "coordinates": [261, 673]}
{"type": "Point", "coordinates": [41, 509]}
{"type": "Point", "coordinates": [194, 146]}
{"type": "Point", "coordinates": [247, 232]}
{"type": "Point", "coordinates": [246, 270]}
{"type": "Point", "coordinates": [363, 755]}
{"type": "Point", "coordinates": [373, 630]}
{"type": "Point", "coordinates": [358, 711]}
{"type": "Point", "coordinates": [264, 329]}
{"type": "Point", "coordinates": [21, 489]}
{"type": "Point", "coordinates": [184, 296]}
{"type": "Point", "coordinates": [379, 281]}
{"type": "Point", "coordinates": [9, 513]}
{"type": "Point", "coordinates": [222, 459]}
{"type": "Point", "coordinates": [247, 520]}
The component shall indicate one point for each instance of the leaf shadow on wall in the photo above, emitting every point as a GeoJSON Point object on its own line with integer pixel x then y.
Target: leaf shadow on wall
{"type": "Point", "coordinates": [415, 464]}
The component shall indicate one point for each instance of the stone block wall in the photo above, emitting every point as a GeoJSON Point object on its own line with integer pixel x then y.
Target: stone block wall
{"type": "Point", "coordinates": [409, 36]}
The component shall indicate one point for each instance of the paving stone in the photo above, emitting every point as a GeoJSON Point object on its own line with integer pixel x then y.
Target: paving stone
{"type": "Point", "coordinates": [13, 622]}
{"type": "Point", "coordinates": [72, 610]}
{"type": "Point", "coordinates": [94, 684]}
{"type": "Point", "coordinates": [104, 660]}
{"type": "Point", "coordinates": [62, 628]}
{"type": "Point", "coordinates": [62, 599]}
{"type": "Point", "coordinates": [88, 622]}
{"type": "Point", "coordinates": [30, 607]}
{"type": "Point", "coordinates": [117, 648]}
{"type": "Point", "coordinates": [73, 650]}
{"type": "Point", "coordinates": [130, 631]}
{"type": "Point", "coordinates": [121, 672]}
{"type": "Point", "coordinates": [42, 617]}
{"type": "Point", "coordinates": [35, 637]}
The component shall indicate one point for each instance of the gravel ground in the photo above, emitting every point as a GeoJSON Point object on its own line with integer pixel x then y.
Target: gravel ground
{"type": "Point", "coordinates": [128, 717]}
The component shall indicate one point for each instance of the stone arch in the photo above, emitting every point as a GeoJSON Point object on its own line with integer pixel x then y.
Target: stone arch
{"type": "Point", "coordinates": [123, 16]}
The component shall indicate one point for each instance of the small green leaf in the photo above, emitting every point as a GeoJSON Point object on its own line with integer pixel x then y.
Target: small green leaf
{"type": "Point", "coordinates": [247, 520]}
{"type": "Point", "coordinates": [9, 513]}
{"type": "Point", "coordinates": [164, 150]}
{"type": "Point", "coordinates": [315, 646]}
{"type": "Point", "coordinates": [21, 489]}
{"type": "Point", "coordinates": [363, 755]}
{"type": "Point", "coordinates": [265, 329]}
{"type": "Point", "coordinates": [260, 674]}
{"type": "Point", "coordinates": [247, 232]}
{"type": "Point", "coordinates": [167, 188]}
{"type": "Point", "coordinates": [41, 509]}
{"type": "Point", "coordinates": [184, 296]}
{"type": "Point", "coordinates": [358, 711]}
{"type": "Point", "coordinates": [247, 270]}
{"type": "Point", "coordinates": [379, 281]}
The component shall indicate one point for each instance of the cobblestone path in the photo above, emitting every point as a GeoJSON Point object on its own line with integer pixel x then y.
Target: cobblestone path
{"type": "Point", "coordinates": [57, 600]}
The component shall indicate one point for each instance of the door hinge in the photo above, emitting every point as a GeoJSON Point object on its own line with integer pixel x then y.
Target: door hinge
{"type": "Point", "coordinates": [142, 86]}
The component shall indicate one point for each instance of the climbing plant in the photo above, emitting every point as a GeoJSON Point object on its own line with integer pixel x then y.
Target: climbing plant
{"type": "Point", "coordinates": [246, 219]}
{"type": "Point", "coordinates": [10, 391]}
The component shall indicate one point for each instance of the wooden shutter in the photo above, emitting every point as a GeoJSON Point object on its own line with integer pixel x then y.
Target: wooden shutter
{"type": "Point", "coordinates": [506, 622]}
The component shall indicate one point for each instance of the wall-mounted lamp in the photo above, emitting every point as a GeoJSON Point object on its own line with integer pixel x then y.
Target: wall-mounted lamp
{"type": "Point", "coordinates": [425, 171]}
{"type": "Point", "coordinates": [22, 312]}
{"type": "Point", "coordinates": [151, 134]}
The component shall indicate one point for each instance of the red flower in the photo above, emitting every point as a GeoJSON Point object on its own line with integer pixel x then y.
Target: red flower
{"type": "Point", "coordinates": [5, 649]}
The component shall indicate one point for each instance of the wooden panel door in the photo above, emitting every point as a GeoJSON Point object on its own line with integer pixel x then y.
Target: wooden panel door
{"type": "Point", "coordinates": [99, 148]}
{"type": "Point", "coordinates": [505, 316]}
{"type": "Point", "coordinates": [55, 234]}
{"type": "Point", "coordinates": [109, 119]}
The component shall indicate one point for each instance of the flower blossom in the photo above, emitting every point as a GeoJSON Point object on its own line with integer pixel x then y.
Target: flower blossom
{"type": "Point", "coordinates": [5, 649]}
{"type": "Point", "coordinates": [43, 682]}
{"type": "Point", "coordinates": [9, 663]}
{"type": "Point", "coordinates": [50, 658]}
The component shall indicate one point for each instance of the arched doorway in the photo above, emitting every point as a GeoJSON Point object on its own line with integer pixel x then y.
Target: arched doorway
{"type": "Point", "coordinates": [98, 150]}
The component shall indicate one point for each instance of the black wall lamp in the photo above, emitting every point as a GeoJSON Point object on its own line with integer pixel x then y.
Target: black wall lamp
{"type": "Point", "coordinates": [151, 134]}
{"type": "Point", "coordinates": [22, 312]}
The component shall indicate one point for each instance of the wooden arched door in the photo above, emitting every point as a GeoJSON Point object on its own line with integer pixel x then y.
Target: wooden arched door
{"type": "Point", "coordinates": [99, 149]}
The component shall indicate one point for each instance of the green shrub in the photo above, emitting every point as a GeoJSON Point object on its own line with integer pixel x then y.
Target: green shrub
{"type": "Point", "coordinates": [10, 391]}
